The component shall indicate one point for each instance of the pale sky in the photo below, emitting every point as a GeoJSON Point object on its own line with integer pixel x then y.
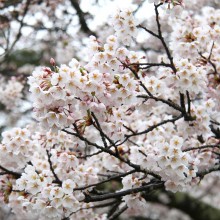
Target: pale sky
{"type": "Point", "coordinates": [102, 12]}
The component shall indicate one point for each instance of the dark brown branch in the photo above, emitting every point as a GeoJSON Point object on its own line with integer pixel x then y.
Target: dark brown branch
{"type": "Point", "coordinates": [89, 155]}
{"type": "Point", "coordinates": [181, 108]}
{"type": "Point", "coordinates": [162, 38]}
{"type": "Point", "coordinates": [202, 147]}
{"type": "Point", "coordinates": [77, 134]}
{"type": "Point", "coordinates": [114, 208]}
{"type": "Point", "coordinates": [82, 20]}
{"type": "Point", "coordinates": [109, 151]}
{"type": "Point", "coordinates": [187, 117]}
{"type": "Point", "coordinates": [215, 131]}
{"type": "Point", "coordinates": [168, 102]}
{"type": "Point", "coordinates": [150, 65]}
{"type": "Point", "coordinates": [189, 103]}
{"type": "Point", "coordinates": [215, 122]}
{"type": "Point", "coordinates": [119, 212]}
{"type": "Point", "coordinates": [92, 207]}
{"type": "Point", "coordinates": [155, 126]}
{"type": "Point", "coordinates": [182, 101]}
{"type": "Point", "coordinates": [106, 150]}
{"type": "Point", "coordinates": [137, 77]}
{"type": "Point", "coordinates": [129, 129]}
{"type": "Point", "coordinates": [150, 186]}
{"type": "Point", "coordinates": [107, 180]}
{"type": "Point", "coordinates": [15, 174]}
{"type": "Point", "coordinates": [149, 31]}
{"type": "Point", "coordinates": [142, 153]}
{"type": "Point", "coordinates": [133, 143]}
{"type": "Point", "coordinates": [103, 135]}
{"type": "Point", "coordinates": [57, 180]}
{"type": "Point", "coordinates": [207, 171]}
{"type": "Point", "coordinates": [209, 59]}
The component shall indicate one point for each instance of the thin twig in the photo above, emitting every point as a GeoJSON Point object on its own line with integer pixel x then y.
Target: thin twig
{"type": "Point", "coordinates": [155, 126]}
{"type": "Point", "coordinates": [202, 147]}
{"type": "Point", "coordinates": [57, 180]}
{"type": "Point", "coordinates": [162, 38]}
{"type": "Point", "coordinates": [104, 181]}
{"type": "Point", "coordinates": [15, 174]}
{"type": "Point", "coordinates": [119, 212]}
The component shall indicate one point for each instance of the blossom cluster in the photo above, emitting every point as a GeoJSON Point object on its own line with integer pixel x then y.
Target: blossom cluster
{"type": "Point", "coordinates": [118, 119]}
{"type": "Point", "coordinates": [99, 87]}
{"type": "Point", "coordinates": [202, 115]}
{"type": "Point", "coordinates": [130, 182]}
{"type": "Point", "coordinates": [69, 167]}
{"type": "Point", "coordinates": [17, 148]}
{"type": "Point", "coordinates": [61, 140]}
{"type": "Point", "coordinates": [173, 165]}
{"type": "Point", "coordinates": [124, 24]}
{"type": "Point", "coordinates": [189, 78]}
{"type": "Point", "coordinates": [197, 35]}
{"type": "Point", "coordinates": [49, 199]}
{"type": "Point", "coordinates": [11, 93]}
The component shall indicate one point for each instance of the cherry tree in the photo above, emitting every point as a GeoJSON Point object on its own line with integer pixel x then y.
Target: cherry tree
{"type": "Point", "coordinates": [126, 126]}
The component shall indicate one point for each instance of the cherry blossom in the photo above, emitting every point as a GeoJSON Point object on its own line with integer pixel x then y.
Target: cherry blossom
{"type": "Point", "coordinates": [124, 121]}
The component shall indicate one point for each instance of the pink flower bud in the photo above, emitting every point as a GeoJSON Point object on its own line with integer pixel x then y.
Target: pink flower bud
{"type": "Point", "coordinates": [52, 61]}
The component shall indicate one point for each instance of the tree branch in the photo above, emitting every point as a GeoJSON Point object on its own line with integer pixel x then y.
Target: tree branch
{"type": "Point", "coordinates": [82, 20]}
{"type": "Point", "coordinates": [15, 174]}
{"type": "Point", "coordinates": [119, 194]}
{"type": "Point", "coordinates": [202, 147]}
{"type": "Point", "coordinates": [162, 38]}
{"type": "Point", "coordinates": [155, 126]}
{"type": "Point", "coordinates": [57, 180]}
